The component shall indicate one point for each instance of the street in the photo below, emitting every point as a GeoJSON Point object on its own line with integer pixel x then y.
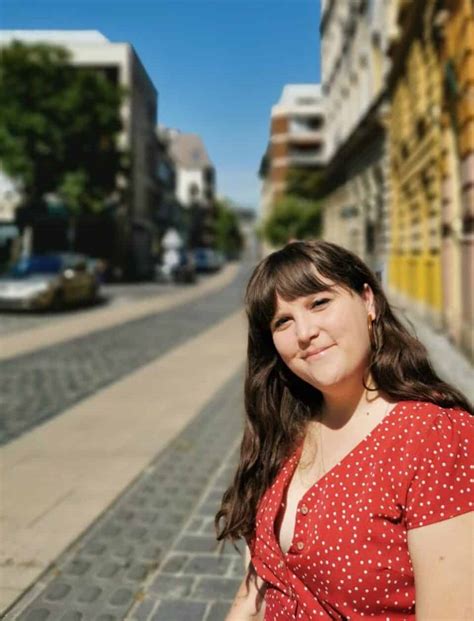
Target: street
{"type": "Point", "coordinates": [156, 465]}
{"type": "Point", "coordinates": [120, 434]}
{"type": "Point", "coordinates": [114, 294]}
{"type": "Point", "coordinates": [39, 385]}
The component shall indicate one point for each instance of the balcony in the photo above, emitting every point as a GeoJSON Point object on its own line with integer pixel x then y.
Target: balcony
{"type": "Point", "coordinates": [305, 137]}
{"type": "Point", "coordinates": [306, 126]}
{"type": "Point", "coordinates": [306, 159]}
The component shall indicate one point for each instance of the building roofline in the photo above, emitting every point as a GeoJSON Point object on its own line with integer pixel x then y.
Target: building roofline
{"type": "Point", "coordinates": [63, 36]}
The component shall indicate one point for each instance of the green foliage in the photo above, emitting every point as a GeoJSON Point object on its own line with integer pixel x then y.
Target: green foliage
{"type": "Point", "coordinates": [73, 190]}
{"type": "Point", "coordinates": [58, 127]}
{"type": "Point", "coordinates": [306, 183]}
{"type": "Point", "coordinates": [228, 237]}
{"type": "Point", "coordinates": [292, 218]}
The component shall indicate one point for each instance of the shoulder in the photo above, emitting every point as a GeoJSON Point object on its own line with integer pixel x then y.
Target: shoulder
{"type": "Point", "coordinates": [438, 453]}
{"type": "Point", "coordinates": [421, 418]}
{"type": "Point", "coordinates": [420, 429]}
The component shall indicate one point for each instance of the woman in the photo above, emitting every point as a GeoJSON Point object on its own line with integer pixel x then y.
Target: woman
{"type": "Point", "coordinates": [353, 479]}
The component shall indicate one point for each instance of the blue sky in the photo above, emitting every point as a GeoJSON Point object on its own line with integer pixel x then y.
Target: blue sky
{"type": "Point", "coordinates": [218, 65]}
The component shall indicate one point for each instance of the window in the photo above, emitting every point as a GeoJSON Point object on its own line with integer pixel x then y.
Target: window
{"type": "Point", "coordinates": [193, 191]}
{"type": "Point", "coordinates": [306, 101]}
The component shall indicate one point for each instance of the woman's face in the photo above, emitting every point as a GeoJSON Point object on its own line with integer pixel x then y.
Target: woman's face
{"type": "Point", "coordinates": [333, 321]}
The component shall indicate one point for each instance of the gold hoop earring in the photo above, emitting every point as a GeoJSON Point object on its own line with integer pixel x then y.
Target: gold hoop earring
{"type": "Point", "coordinates": [370, 322]}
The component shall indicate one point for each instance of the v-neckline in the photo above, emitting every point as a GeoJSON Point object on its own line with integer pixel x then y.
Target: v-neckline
{"type": "Point", "coordinates": [299, 450]}
{"type": "Point", "coordinates": [293, 463]}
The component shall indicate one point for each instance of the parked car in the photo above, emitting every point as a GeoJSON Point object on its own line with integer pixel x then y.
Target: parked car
{"type": "Point", "coordinates": [208, 259]}
{"type": "Point", "coordinates": [50, 281]}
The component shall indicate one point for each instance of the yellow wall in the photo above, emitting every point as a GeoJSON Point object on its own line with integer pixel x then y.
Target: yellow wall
{"type": "Point", "coordinates": [459, 48]}
{"type": "Point", "coordinates": [415, 146]}
{"type": "Point", "coordinates": [458, 55]}
{"type": "Point", "coordinates": [431, 171]}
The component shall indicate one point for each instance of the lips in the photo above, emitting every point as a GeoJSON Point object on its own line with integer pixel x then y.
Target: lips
{"type": "Point", "coordinates": [314, 352]}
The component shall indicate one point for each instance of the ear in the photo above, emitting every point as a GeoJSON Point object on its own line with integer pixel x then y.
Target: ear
{"type": "Point", "coordinates": [369, 299]}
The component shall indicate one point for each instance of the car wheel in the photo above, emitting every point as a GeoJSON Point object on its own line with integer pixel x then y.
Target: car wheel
{"type": "Point", "coordinates": [93, 294]}
{"type": "Point", "coordinates": [58, 301]}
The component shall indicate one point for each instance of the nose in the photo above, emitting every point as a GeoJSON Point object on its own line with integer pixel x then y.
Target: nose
{"type": "Point", "coordinates": [306, 329]}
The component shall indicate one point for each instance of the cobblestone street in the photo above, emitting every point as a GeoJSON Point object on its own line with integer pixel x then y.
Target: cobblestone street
{"type": "Point", "coordinates": [111, 568]}
{"type": "Point", "coordinates": [39, 385]}
{"type": "Point", "coordinates": [149, 553]}
{"type": "Point", "coordinates": [153, 555]}
{"type": "Point", "coordinates": [111, 295]}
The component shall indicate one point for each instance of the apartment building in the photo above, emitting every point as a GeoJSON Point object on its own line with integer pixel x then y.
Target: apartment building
{"type": "Point", "coordinates": [296, 134]}
{"type": "Point", "coordinates": [296, 142]}
{"type": "Point", "coordinates": [355, 35]}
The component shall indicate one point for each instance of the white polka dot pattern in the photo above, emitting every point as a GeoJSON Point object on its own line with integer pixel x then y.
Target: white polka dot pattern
{"type": "Point", "coordinates": [349, 556]}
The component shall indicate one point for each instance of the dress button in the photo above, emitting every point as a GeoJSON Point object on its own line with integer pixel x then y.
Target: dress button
{"type": "Point", "coordinates": [304, 509]}
{"type": "Point", "coordinates": [281, 564]}
{"type": "Point", "coordinates": [300, 545]}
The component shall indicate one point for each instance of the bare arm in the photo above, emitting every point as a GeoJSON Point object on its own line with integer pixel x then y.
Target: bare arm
{"type": "Point", "coordinates": [248, 604]}
{"type": "Point", "coordinates": [443, 558]}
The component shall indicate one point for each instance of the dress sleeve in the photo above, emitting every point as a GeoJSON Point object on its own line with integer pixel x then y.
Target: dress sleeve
{"type": "Point", "coordinates": [441, 487]}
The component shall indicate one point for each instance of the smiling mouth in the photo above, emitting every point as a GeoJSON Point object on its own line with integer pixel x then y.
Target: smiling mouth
{"type": "Point", "coordinates": [318, 354]}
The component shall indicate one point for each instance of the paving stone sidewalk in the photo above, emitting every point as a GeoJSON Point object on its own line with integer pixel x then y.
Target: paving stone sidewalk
{"type": "Point", "coordinates": [195, 581]}
{"type": "Point", "coordinates": [153, 552]}
{"type": "Point", "coordinates": [450, 363]}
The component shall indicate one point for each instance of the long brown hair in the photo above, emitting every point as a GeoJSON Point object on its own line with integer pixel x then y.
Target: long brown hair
{"type": "Point", "coordinates": [278, 405]}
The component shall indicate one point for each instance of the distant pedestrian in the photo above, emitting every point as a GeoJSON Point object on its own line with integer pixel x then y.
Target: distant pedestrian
{"type": "Point", "coordinates": [353, 484]}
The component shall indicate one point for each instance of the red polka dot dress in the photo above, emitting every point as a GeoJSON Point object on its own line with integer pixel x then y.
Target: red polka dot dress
{"type": "Point", "coordinates": [349, 556]}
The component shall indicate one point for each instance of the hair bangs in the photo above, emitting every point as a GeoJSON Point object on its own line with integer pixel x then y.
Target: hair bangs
{"type": "Point", "coordinates": [289, 273]}
{"type": "Point", "coordinates": [295, 281]}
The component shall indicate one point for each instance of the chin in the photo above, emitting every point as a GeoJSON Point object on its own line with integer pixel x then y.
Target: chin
{"type": "Point", "coordinates": [324, 377]}
{"type": "Point", "coordinates": [323, 382]}
{"type": "Point", "coordinates": [314, 382]}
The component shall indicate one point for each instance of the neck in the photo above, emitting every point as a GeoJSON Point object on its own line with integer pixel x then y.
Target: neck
{"type": "Point", "coordinates": [339, 407]}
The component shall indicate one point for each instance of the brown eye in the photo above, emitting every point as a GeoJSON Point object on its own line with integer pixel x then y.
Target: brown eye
{"type": "Point", "coordinates": [280, 322]}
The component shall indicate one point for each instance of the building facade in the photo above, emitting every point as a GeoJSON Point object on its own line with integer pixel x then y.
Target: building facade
{"type": "Point", "coordinates": [296, 139]}
{"type": "Point", "coordinates": [354, 38]}
{"type": "Point", "coordinates": [296, 134]}
{"type": "Point", "coordinates": [168, 213]}
{"type": "Point", "coordinates": [431, 146]}
{"type": "Point", "coordinates": [296, 143]}
{"type": "Point", "coordinates": [415, 146]}
{"type": "Point", "coordinates": [195, 186]}
{"type": "Point", "coordinates": [195, 173]}
{"type": "Point", "coordinates": [457, 246]}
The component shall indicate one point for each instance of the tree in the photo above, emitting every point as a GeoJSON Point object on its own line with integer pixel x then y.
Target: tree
{"type": "Point", "coordinates": [58, 127]}
{"type": "Point", "coordinates": [228, 235]}
{"type": "Point", "coordinates": [306, 183]}
{"type": "Point", "coordinates": [292, 218]}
